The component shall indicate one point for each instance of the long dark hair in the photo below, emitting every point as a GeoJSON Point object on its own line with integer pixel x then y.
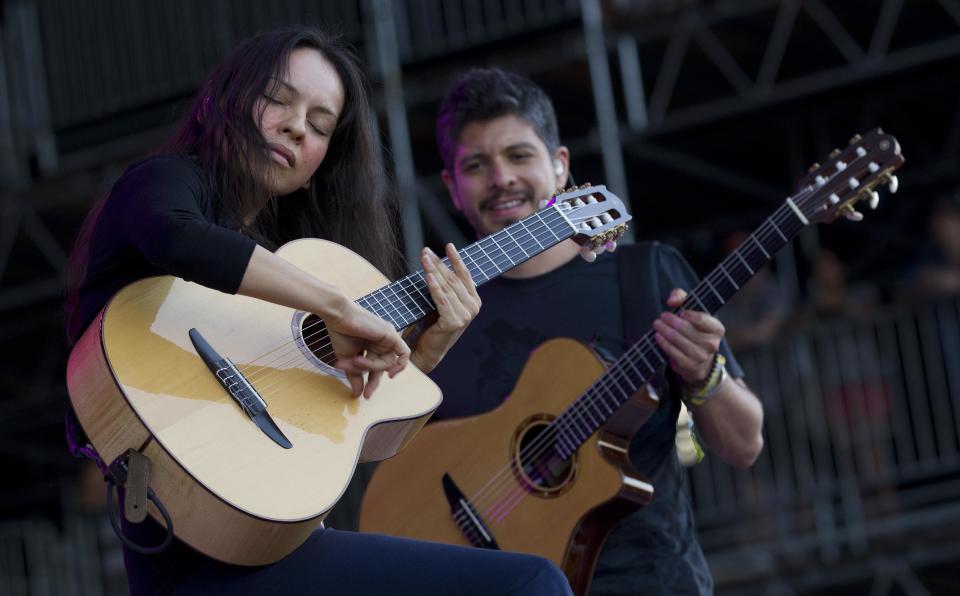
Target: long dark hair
{"type": "Point", "coordinates": [348, 200]}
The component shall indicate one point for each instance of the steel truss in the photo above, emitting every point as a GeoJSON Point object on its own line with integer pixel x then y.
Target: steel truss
{"type": "Point", "coordinates": [631, 60]}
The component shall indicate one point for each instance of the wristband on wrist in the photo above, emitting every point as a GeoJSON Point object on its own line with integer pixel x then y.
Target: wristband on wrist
{"type": "Point", "coordinates": [696, 396]}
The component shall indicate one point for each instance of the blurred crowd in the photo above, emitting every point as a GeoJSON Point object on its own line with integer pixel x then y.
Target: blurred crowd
{"type": "Point", "coordinates": [762, 311]}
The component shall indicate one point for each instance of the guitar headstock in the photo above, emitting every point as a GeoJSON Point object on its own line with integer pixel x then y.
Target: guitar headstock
{"type": "Point", "coordinates": [596, 214]}
{"type": "Point", "coordinates": [849, 176]}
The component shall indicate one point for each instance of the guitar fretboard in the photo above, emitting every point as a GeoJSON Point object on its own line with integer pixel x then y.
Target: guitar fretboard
{"type": "Point", "coordinates": [644, 358]}
{"type": "Point", "coordinates": [407, 300]}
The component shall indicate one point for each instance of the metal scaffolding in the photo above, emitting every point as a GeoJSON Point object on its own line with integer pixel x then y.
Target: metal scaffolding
{"type": "Point", "coordinates": [692, 109]}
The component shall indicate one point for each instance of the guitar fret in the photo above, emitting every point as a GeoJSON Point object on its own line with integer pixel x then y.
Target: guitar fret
{"type": "Point", "coordinates": [496, 243]}
{"type": "Point", "coordinates": [525, 254]}
{"type": "Point", "coordinates": [697, 299]}
{"type": "Point", "coordinates": [762, 249]}
{"type": "Point", "coordinates": [777, 229]}
{"type": "Point", "coordinates": [745, 264]}
{"type": "Point", "coordinates": [403, 303]}
{"type": "Point", "coordinates": [477, 263]}
{"type": "Point", "coordinates": [549, 229]}
{"type": "Point", "coordinates": [714, 290]}
{"type": "Point", "coordinates": [724, 270]}
{"type": "Point", "coordinates": [630, 387]}
{"type": "Point", "coordinates": [379, 308]}
{"type": "Point", "coordinates": [644, 357]}
{"type": "Point", "coordinates": [413, 299]}
{"type": "Point", "coordinates": [588, 415]}
{"type": "Point", "coordinates": [492, 262]}
{"type": "Point", "coordinates": [532, 235]}
{"type": "Point", "coordinates": [421, 288]}
{"type": "Point", "coordinates": [640, 375]}
{"type": "Point", "coordinates": [568, 445]}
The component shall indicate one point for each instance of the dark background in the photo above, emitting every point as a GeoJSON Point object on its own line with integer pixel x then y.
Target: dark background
{"type": "Point", "coordinates": [709, 111]}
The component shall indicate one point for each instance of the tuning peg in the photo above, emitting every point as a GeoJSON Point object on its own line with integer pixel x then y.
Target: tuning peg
{"type": "Point", "coordinates": [587, 254]}
{"type": "Point", "coordinates": [855, 139]}
{"type": "Point", "coordinates": [874, 199]}
{"type": "Point", "coordinates": [611, 245]}
{"type": "Point", "coordinates": [853, 215]}
{"type": "Point", "coordinates": [894, 184]}
{"type": "Point", "coordinates": [834, 153]}
{"type": "Point", "coordinates": [813, 168]}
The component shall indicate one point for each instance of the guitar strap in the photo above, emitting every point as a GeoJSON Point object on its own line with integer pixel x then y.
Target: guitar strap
{"type": "Point", "coordinates": [639, 289]}
{"type": "Point", "coordinates": [641, 301]}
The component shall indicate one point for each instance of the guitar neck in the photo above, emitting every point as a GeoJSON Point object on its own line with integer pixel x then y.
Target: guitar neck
{"type": "Point", "coordinates": [644, 358]}
{"type": "Point", "coordinates": [407, 300]}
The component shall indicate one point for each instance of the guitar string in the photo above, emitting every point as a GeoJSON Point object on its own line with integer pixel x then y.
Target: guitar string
{"type": "Point", "coordinates": [584, 403]}
{"type": "Point", "coordinates": [611, 380]}
{"type": "Point", "coordinates": [417, 283]}
{"type": "Point", "coordinates": [511, 258]}
{"type": "Point", "coordinates": [595, 393]}
{"type": "Point", "coordinates": [495, 505]}
{"type": "Point", "coordinates": [319, 326]}
{"type": "Point", "coordinates": [295, 355]}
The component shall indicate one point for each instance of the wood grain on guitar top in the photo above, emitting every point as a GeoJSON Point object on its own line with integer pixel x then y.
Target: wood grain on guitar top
{"type": "Point", "coordinates": [405, 496]}
{"type": "Point", "coordinates": [136, 382]}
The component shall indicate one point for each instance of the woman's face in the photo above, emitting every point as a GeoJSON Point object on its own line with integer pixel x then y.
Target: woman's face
{"type": "Point", "coordinates": [298, 118]}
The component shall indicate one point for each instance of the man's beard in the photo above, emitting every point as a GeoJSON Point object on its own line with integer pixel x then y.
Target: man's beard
{"type": "Point", "coordinates": [523, 195]}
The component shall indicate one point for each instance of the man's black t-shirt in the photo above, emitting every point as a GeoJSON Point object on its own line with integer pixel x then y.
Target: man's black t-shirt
{"type": "Point", "coordinates": [654, 550]}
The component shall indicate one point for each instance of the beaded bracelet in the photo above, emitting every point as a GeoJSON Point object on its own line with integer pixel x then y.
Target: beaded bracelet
{"type": "Point", "coordinates": [695, 397]}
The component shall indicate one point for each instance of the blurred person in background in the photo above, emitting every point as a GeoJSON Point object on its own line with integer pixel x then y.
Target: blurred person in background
{"type": "Point", "coordinates": [278, 146]}
{"type": "Point", "coordinates": [756, 314]}
{"type": "Point", "coordinates": [936, 273]}
{"type": "Point", "coordinates": [832, 295]}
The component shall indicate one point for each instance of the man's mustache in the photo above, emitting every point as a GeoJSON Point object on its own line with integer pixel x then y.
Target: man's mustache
{"type": "Point", "coordinates": [506, 196]}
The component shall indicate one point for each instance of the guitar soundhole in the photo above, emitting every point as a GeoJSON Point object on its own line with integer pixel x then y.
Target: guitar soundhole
{"type": "Point", "coordinates": [313, 331]}
{"type": "Point", "coordinates": [536, 463]}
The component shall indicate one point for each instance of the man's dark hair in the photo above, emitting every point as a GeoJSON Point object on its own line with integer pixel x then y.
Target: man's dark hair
{"type": "Point", "coordinates": [484, 93]}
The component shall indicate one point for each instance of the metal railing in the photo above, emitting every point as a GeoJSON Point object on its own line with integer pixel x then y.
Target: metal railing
{"type": "Point", "coordinates": [861, 447]}
{"type": "Point", "coordinates": [81, 557]}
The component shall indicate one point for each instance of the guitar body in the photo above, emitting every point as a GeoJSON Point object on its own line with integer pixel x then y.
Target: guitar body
{"type": "Point", "coordinates": [136, 382]}
{"type": "Point", "coordinates": [502, 479]}
{"type": "Point", "coordinates": [566, 523]}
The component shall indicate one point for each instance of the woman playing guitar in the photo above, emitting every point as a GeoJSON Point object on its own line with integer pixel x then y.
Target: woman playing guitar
{"type": "Point", "coordinates": [277, 146]}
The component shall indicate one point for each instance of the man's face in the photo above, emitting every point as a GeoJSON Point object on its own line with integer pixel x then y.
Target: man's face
{"type": "Point", "coordinates": [501, 170]}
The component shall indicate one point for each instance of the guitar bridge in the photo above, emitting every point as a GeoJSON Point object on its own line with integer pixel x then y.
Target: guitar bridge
{"type": "Point", "coordinates": [239, 388]}
{"type": "Point", "coordinates": [466, 517]}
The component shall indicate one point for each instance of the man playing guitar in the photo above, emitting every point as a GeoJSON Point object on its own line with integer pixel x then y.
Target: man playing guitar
{"type": "Point", "coordinates": [497, 134]}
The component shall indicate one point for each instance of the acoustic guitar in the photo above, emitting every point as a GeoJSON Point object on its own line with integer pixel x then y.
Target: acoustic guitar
{"type": "Point", "coordinates": [547, 472]}
{"type": "Point", "coordinates": [252, 435]}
